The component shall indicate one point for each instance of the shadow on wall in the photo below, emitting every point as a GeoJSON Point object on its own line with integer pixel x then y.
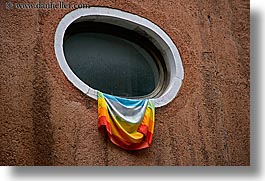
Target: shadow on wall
{"type": "Point", "coordinates": [42, 130]}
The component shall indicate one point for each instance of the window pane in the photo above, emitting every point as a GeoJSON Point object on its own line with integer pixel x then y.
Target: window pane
{"type": "Point", "coordinates": [111, 64]}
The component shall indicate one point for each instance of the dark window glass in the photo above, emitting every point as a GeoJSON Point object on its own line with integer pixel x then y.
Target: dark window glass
{"type": "Point", "coordinates": [111, 64]}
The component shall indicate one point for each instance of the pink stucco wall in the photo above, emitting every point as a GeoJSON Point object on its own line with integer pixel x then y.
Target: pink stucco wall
{"type": "Point", "coordinates": [45, 120]}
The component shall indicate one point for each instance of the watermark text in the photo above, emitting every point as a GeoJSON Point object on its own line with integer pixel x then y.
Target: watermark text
{"type": "Point", "coordinates": [40, 5]}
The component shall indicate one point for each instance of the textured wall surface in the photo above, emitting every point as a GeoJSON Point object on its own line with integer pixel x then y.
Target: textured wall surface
{"type": "Point", "coordinates": [45, 120]}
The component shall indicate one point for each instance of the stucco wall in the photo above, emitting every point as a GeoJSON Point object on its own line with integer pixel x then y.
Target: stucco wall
{"type": "Point", "coordinates": [45, 120]}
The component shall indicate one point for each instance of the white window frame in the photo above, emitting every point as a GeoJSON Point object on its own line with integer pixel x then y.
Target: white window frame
{"type": "Point", "coordinates": [129, 21]}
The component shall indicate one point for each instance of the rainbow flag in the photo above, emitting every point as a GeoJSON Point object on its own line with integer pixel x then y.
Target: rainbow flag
{"type": "Point", "coordinates": [129, 123]}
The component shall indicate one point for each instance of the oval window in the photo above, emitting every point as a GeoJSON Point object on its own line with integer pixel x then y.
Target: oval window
{"type": "Point", "coordinates": [118, 53]}
{"type": "Point", "coordinates": [113, 60]}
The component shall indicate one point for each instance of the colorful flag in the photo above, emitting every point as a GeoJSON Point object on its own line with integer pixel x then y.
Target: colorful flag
{"type": "Point", "coordinates": [129, 122]}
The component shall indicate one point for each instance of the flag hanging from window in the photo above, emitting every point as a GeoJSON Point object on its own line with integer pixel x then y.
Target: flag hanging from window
{"type": "Point", "coordinates": [128, 122]}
